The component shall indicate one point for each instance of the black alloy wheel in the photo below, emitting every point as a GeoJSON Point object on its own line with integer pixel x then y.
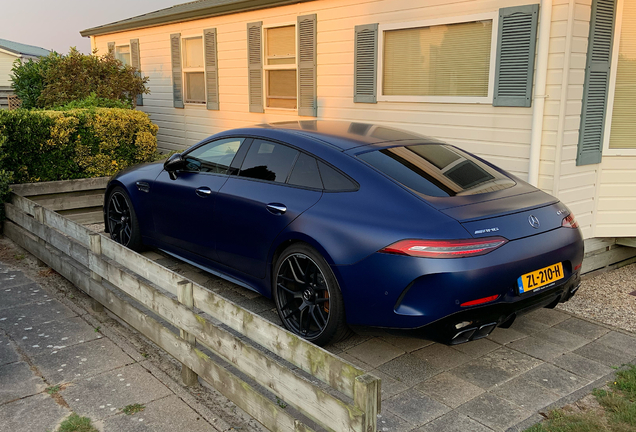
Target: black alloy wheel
{"type": "Point", "coordinates": [122, 220]}
{"type": "Point", "coordinates": [307, 296]}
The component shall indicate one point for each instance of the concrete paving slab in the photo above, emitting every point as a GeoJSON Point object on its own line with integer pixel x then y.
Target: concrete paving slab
{"type": "Point", "coordinates": [21, 295]}
{"type": "Point", "coordinates": [164, 415]}
{"type": "Point", "coordinates": [8, 354]}
{"type": "Point", "coordinates": [505, 336]}
{"type": "Point", "coordinates": [454, 422]}
{"type": "Point", "coordinates": [415, 407]}
{"type": "Point", "coordinates": [442, 357]}
{"type": "Point", "coordinates": [36, 413]}
{"type": "Point", "coordinates": [18, 381]}
{"type": "Point", "coordinates": [526, 394]}
{"type": "Point", "coordinates": [562, 338]}
{"type": "Point", "coordinates": [604, 354]}
{"type": "Point", "coordinates": [81, 361]}
{"type": "Point", "coordinates": [582, 328]}
{"type": "Point", "coordinates": [582, 366]}
{"type": "Point", "coordinates": [538, 348]}
{"type": "Point", "coordinates": [477, 348]}
{"type": "Point", "coordinates": [389, 386]}
{"type": "Point", "coordinates": [12, 278]}
{"type": "Point", "coordinates": [103, 395]}
{"type": "Point", "coordinates": [375, 352]}
{"type": "Point", "coordinates": [494, 412]}
{"type": "Point", "coordinates": [388, 422]}
{"type": "Point", "coordinates": [36, 313]}
{"type": "Point", "coordinates": [407, 344]}
{"type": "Point", "coordinates": [527, 325]}
{"type": "Point", "coordinates": [495, 367]}
{"type": "Point", "coordinates": [449, 389]}
{"type": "Point", "coordinates": [550, 317]}
{"type": "Point", "coordinates": [409, 369]}
{"type": "Point", "coordinates": [555, 379]}
{"type": "Point", "coordinates": [50, 337]}
{"type": "Point", "coordinates": [355, 361]}
{"type": "Point", "coordinates": [619, 341]}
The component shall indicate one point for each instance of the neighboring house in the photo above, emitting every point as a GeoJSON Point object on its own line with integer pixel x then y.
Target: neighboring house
{"type": "Point", "coordinates": [545, 90]}
{"type": "Point", "coordinates": [9, 52]}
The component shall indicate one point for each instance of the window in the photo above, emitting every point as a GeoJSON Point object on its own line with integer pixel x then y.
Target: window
{"type": "Point", "coordinates": [193, 71]}
{"type": "Point", "coordinates": [268, 161]}
{"type": "Point", "coordinates": [623, 127]}
{"type": "Point", "coordinates": [438, 61]}
{"type": "Point", "coordinates": [122, 53]}
{"type": "Point", "coordinates": [334, 181]}
{"type": "Point", "coordinates": [280, 67]}
{"type": "Point", "coordinates": [214, 157]}
{"type": "Point", "coordinates": [305, 173]}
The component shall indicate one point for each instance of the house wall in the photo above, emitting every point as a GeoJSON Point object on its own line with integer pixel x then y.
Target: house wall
{"type": "Point", "coordinates": [499, 134]}
{"type": "Point", "coordinates": [6, 63]}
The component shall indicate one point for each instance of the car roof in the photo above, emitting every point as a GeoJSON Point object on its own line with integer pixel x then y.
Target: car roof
{"type": "Point", "coordinates": [345, 135]}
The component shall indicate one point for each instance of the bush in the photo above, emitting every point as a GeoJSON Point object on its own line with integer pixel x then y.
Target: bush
{"type": "Point", "coordinates": [62, 145]}
{"type": "Point", "coordinates": [56, 80]}
{"type": "Point", "coordinates": [94, 101]}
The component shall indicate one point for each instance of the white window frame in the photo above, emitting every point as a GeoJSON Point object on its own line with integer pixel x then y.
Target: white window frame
{"type": "Point", "coordinates": [267, 67]}
{"type": "Point", "coordinates": [494, 16]}
{"type": "Point", "coordinates": [185, 70]}
{"type": "Point", "coordinates": [607, 151]}
{"type": "Point", "coordinates": [129, 53]}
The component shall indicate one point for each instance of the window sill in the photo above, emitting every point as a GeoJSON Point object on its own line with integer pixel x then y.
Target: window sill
{"type": "Point", "coordinates": [438, 99]}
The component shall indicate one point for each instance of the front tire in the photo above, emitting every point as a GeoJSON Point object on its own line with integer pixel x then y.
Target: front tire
{"type": "Point", "coordinates": [122, 219]}
{"type": "Point", "coordinates": [307, 296]}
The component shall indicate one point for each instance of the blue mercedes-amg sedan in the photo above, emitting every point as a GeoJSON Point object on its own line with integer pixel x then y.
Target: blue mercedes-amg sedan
{"type": "Point", "coordinates": [353, 225]}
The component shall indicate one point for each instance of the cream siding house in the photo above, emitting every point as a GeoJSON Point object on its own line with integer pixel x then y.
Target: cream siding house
{"type": "Point", "coordinates": [10, 52]}
{"type": "Point", "coordinates": [509, 80]}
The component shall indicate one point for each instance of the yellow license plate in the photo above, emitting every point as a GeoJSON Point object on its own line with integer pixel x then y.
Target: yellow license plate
{"type": "Point", "coordinates": [540, 278]}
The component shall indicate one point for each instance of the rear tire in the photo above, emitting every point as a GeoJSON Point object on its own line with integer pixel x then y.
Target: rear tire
{"type": "Point", "coordinates": [307, 296]}
{"type": "Point", "coordinates": [122, 219]}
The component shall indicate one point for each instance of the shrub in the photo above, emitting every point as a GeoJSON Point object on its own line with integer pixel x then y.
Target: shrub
{"type": "Point", "coordinates": [56, 80]}
{"type": "Point", "coordinates": [94, 101]}
{"type": "Point", "coordinates": [62, 145]}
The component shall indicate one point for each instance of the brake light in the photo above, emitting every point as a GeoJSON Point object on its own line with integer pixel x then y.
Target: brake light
{"type": "Point", "coordinates": [480, 301]}
{"type": "Point", "coordinates": [570, 221]}
{"type": "Point", "coordinates": [445, 248]}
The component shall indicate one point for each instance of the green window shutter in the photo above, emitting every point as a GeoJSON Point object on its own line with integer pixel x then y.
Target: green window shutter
{"type": "Point", "coordinates": [307, 103]}
{"type": "Point", "coordinates": [177, 76]}
{"type": "Point", "coordinates": [255, 66]}
{"type": "Point", "coordinates": [135, 59]}
{"type": "Point", "coordinates": [597, 77]}
{"type": "Point", "coordinates": [111, 48]}
{"type": "Point", "coordinates": [365, 74]}
{"type": "Point", "coordinates": [211, 68]}
{"type": "Point", "coordinates": [516, 43]}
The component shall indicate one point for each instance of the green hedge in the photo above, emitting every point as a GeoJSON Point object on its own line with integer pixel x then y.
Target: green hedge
{"type": "Point", "coordinates": [38, 146]}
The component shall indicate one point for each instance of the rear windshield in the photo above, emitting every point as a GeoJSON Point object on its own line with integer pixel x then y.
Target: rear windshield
{"type": "Point", "coordinates": [437, 170]}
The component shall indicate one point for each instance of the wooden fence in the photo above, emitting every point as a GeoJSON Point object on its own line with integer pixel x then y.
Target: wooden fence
{"type": "Point", "coordinates": [79, 200]}
{"type": "Point", "coordinates": [347, 400]}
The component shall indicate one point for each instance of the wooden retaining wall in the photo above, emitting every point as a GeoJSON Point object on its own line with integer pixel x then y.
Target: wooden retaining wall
{"type": "Point", "coordinates": [348, 400]}
{"type": "Point", "coordinates": [79, 200]}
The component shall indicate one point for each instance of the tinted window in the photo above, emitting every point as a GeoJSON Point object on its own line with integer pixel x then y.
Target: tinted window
{"type": "Point", "coordinates": [333, 180]}
{"type": "Point", "coordinates": [213, 157]}
{"type": "Point", "coordinates": [437, 170]}
{"type": "Point", "coordinates": [305, 173]}
{"type": "Point", "coordinates": [268, 161]}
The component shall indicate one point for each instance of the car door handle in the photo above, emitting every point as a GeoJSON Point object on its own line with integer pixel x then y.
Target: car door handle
{"type": "Point", "coordinates": [204, 192]}
{"type": "Point", "coordinates": [276, 208]}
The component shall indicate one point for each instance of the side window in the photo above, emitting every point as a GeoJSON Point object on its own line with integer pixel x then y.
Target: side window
{"type": "Point", "coordinates": [214, 157]}
{"type": "Point", "coordinates": [333, 180]}
{"type": "Point", "coordinates": [305, 173]}
{"type": "Point", "coordinates": [268, 161]}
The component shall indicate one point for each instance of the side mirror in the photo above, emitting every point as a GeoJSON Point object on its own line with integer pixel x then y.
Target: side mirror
{"type": "Point", "coordinates": [174, 163]}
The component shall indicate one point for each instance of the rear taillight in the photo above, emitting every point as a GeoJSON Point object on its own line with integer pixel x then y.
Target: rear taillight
{"type": "Point", "coordinates": [570, 221]}
{"type": "Point", "coordinates": [445, 248]}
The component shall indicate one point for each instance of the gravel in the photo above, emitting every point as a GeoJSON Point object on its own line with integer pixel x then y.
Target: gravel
{"type": "Point", "coordinates": [606, 298]}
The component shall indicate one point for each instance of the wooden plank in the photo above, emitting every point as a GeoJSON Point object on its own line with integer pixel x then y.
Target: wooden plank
{"type": "Point", "coordinates": [84, 216]}
{"type": "Point", "coordinates": [258, 406]}
{"type": "Point", "coordinates": [71, 200]}
{"type": "Point", "coordinates": [627, 241]}
{"type": "Point", "coordinates": [600, 260]}
{"type": "Point", "coordinates": [303, 395]}
{"type": "Point", "coordinates": [184, 295]}
{"type": "Point", "coordinates": [54, 237]}
{"type": "Point", "coordinates": [29, 189]}
{"type": "Point", "coordinates": [595, 244]}
{"type": "Point", "coordinates": [368, 399]}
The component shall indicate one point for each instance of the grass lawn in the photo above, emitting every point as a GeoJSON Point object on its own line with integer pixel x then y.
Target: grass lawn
{"type": "Point", "coordinates": [610, 410]}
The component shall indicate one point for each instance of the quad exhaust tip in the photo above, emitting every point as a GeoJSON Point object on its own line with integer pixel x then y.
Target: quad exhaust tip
{"type": "Point", "coordinates": [473, 333]}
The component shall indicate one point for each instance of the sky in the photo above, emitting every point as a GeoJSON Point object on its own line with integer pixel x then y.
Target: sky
{"type": "Point", "coordinates": [55, 24]}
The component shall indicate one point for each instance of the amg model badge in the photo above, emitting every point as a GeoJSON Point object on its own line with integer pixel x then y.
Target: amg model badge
{"type": "Point", "coordinates": [534, 221]}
